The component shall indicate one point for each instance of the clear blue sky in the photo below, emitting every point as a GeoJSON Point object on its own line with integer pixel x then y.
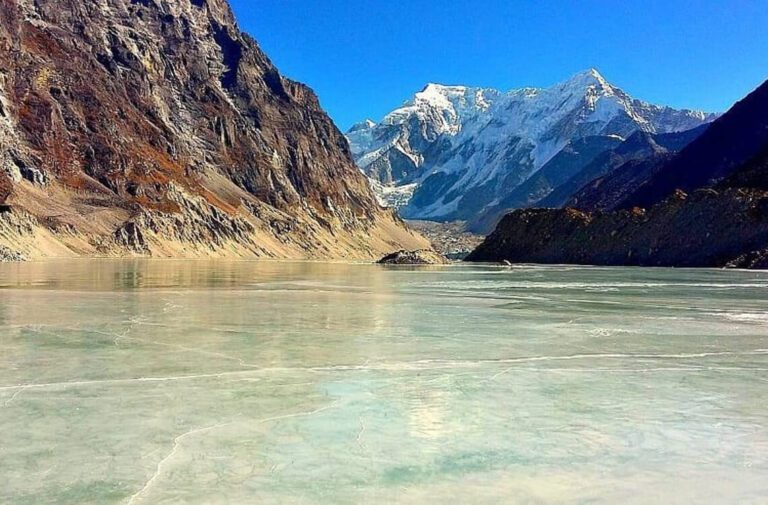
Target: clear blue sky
{"type": "Point", "coordinates": [365, 57]}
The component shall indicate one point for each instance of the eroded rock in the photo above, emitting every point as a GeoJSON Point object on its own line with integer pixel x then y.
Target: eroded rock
{"type": "Point", "coordinates": [9, 255]}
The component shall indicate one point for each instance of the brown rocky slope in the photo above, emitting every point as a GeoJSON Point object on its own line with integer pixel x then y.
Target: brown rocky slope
{"type": "Point", "coordinates": [156, 127]}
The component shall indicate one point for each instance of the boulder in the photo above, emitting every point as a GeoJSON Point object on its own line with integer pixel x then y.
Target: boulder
{"type": "Point", "coordinates": [418, 257]}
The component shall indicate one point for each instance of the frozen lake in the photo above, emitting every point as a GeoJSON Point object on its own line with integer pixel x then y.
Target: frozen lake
{"type": "Point", "coordinates": [310, 383]}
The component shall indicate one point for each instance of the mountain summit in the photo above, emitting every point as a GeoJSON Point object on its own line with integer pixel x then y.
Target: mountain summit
{"type": "Point", "coordinates": [459, 150]}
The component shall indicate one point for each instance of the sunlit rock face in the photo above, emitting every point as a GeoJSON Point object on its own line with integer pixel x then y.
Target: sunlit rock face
{"type": "Point", "coordinates": [157, 127]}
{"type": "Point", "coordinates": [466, 149]}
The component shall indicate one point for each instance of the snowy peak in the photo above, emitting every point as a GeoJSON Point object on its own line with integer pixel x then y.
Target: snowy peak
{"type": "Point", "coordinates": [587, 78]}
{"type": "Point", "coordinates": [442, 108]}
{"type": "Point", "coordinates": [460, 98]}
{"type": "Point", "coordinates": [435, 89]}
{"type": "Point", "coordinates": [362, 125]}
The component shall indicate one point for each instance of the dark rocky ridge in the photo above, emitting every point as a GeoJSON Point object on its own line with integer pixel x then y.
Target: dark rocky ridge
{"type": "Point", "coordinates": [157, 127]}
{"type": "Point", "coordinates": [594, 173]}
{"type": "Point", "coordinates": [606, 192]}
{"type": "Point", "coordinates": [753, 174]}
{"type": "Point", "coordinates": [704, 229]}
{"type": "Point", "coordinates": [638, 147]}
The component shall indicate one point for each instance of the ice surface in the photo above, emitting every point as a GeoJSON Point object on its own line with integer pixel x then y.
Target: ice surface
{"type": "Point", "coordinates": [265, 382]}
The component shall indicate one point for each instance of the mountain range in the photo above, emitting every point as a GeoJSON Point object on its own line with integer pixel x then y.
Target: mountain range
{"type": "Point", "coordinates": [704, 206]}
{"type": "Point", "coordinates": [157, 127]}
{"type": "Point", "coordinates": [464, 153]}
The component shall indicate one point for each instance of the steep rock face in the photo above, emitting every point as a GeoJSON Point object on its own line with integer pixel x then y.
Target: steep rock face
{"type": "Point", "coordinates": [614, 174]}
{"type": "Point", "coordinates": [567, 163]}
{"type": "Point", "coordinates": [753, 174]}
{"type": "Point", "coordinates": [157, 127]}
{"type": "Point", "coordinates": [605, 192]}
{"type": "Point", "coordinates": [640, 145]}
{"type": "Point", "coordinates": [461, 151]}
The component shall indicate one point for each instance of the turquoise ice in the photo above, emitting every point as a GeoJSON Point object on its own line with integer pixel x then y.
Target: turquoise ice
{"type": "Point", "coordinates": [202, 382]}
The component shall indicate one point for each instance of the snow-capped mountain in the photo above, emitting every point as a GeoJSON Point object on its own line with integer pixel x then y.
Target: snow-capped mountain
{"type": "Point", "coordinates": [452, 151]}
{"type": "Point", "coordinates": [393, 151]}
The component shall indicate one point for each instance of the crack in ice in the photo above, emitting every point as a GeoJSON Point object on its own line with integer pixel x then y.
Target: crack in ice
{"type": "Point", "coordinates": [426, 364]}
{"type": "Point", "coordinates": [298, 414]}
{"type": "Point", "coordinates": [359, 438]}
{"type": "Point", "coordinates": [15, 394]}
{"type": "Point", "coordinates": [117, 337]}
{"type": "Point", "coordinates": [125, 381]}
{"type": "Point", "coordinates": [159, 469]}
{"type": "Point", "coordinates": [138, 497]}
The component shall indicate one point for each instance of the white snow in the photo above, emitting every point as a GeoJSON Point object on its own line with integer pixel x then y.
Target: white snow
{"type": "Point", "coordinates": [392, 196]}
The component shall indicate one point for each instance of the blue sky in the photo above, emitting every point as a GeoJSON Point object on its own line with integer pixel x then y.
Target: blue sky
{"type": "Point", "coordinates": [365, 57]}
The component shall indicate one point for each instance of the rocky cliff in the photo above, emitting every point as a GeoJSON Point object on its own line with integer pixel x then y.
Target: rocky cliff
{"type": "Point", "coordinates": [156, 127]}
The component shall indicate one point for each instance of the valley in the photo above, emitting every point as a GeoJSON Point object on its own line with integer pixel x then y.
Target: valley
{"type": "Point", "coordinates": [500, 294]}
{"type": "Point", "coordinates": [449, 239]}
